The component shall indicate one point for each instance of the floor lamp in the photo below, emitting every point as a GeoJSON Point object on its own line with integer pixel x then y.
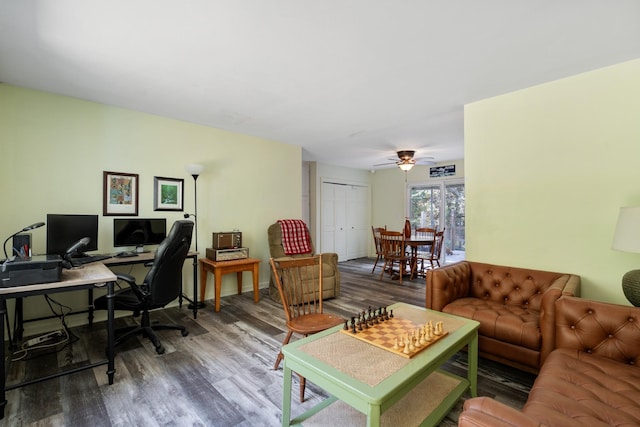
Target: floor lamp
{"type": "Point", "coordinates": [195, 170]}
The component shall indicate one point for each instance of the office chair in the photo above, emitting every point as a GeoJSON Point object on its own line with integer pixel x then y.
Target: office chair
{"type": "Point", "coordinates": [161, 285]}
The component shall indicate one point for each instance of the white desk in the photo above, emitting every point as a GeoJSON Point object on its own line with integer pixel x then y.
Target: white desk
{"type": "Point", "coordinates": [95, 275]}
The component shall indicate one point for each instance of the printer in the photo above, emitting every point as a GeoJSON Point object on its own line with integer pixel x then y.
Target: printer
{"type": "Point", "coordinates": [20, 271]}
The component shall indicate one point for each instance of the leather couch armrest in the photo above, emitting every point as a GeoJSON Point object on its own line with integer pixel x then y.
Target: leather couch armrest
{"type": "Point", "coordinates": [484, 411]}
{"type": "Point", "coordinates": [567, 284]}
{"type": "Point", "coordinates": [446, 284]}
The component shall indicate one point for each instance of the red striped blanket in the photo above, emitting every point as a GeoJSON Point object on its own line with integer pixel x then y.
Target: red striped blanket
{"type": "Point", "coordinates": [295, 236]}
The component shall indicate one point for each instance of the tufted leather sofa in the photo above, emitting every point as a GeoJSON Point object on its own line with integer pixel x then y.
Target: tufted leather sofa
{"type": "Point", "coordinates": [515, 307]}
{"type": "Point", "coordinates": [592, 378]}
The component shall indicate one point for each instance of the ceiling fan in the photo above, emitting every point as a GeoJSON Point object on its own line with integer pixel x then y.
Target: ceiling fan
{"type": "Point", "coordinates": [407, 161]}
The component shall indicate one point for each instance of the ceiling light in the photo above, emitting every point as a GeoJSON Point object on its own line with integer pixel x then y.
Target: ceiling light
{"type": "Point", "coordinates": [405, 166]}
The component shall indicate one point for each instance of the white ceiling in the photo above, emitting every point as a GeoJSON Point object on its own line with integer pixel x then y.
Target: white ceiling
{"type": "Point", "coordinates": [351, 81]}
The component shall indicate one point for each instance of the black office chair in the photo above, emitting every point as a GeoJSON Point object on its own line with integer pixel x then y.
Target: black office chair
{"type": "Point", "coordinates": [162, 284]}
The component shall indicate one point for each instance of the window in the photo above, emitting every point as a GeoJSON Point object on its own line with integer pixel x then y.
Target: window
{"type": "Point", "coordinates": [440, 205]}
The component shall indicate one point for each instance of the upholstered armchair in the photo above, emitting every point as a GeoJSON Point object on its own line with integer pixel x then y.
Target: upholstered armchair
{"type": "Point", "coordinates": [330, 272]}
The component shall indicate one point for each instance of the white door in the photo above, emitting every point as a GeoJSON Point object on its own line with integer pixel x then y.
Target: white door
{"type": "Point", "coordinates": [357, 221]}
{"type": "Point", "coordinates": [345, 220]}
{"type": "Point", "coordinates": [334, 219]}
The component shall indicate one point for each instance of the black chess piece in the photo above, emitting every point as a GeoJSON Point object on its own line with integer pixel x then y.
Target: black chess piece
{"type": "Point", "coordinates": [346, 325]}
{"type": "Point", "coordinates": [391, 314]}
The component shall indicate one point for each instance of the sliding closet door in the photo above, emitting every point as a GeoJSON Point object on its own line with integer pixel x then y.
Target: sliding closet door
{"type": "Point", "coordinates": [345, 220]}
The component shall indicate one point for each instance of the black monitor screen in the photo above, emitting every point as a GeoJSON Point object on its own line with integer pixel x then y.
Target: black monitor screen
{"type": "Point", "coordinates": [64, 230]}
{"type": "Point", "coordinates": [139, 231]}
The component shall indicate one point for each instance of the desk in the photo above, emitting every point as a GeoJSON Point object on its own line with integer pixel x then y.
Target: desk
{"type": "Point", "coordinates": [220, 268]}
{"type": "Point", "coordinates": [145, 257]}
{"type": "Point", "coordinates": [365, 381]}
{"type": "Point", "coordinates": [88, 277]}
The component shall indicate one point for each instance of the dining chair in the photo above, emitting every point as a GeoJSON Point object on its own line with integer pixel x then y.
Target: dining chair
{"type": "Point", "coordinates": [393, 251]}
{"type": "Point", "coordinates": [420, 253]}
{"type": "Point", "coordinates": [376, 240]}
{"type": "Point", "coordinates": [436, 248]}
{"type": "Point", "coordinates": [299, 282]}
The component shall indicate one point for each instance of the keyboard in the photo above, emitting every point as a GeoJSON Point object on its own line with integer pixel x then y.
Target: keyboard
{"type": "Point", "coordinates": [89, 259]}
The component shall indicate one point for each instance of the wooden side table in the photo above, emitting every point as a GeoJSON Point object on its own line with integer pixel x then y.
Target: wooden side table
{"type": "Point", "coordinates": [220, 268]}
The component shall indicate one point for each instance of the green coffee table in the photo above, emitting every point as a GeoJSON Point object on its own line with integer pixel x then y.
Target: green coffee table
{"type": "Point", "coordinates": [372, 386]}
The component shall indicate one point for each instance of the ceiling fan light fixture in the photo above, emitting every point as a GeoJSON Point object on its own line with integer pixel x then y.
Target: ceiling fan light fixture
{"type": "Point", "coordinates": [405, 166]}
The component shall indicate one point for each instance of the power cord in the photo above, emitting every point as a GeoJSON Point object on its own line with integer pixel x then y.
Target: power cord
{"type": "Point", "coordinates": [63, 336]}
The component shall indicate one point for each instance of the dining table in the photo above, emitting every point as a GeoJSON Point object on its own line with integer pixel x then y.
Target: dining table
{"type": "Point", "coordinates": [414, 242]}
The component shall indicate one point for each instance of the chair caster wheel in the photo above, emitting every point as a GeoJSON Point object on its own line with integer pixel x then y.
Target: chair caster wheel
{"type": "Point", "coordinates": [185, 333]}
{"type": "Point", "coordinates": [160, 349]}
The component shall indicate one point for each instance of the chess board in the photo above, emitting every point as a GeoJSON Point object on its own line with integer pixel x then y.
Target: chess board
{"type": "Point", "coordinates": [384, 335]}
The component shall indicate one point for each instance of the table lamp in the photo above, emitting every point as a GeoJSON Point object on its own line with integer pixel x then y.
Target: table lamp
{"type": "Point", "coordinates": [627, 239]}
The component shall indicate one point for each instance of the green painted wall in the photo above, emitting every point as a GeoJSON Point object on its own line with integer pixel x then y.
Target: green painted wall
{"type": "Point", "coordinates": [55, 148]}
{"type": "Point", "coordinates": [547, 169]}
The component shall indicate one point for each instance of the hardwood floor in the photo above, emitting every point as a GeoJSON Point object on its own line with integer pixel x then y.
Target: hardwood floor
{"type": "Point", "coordinates": [219, 375]}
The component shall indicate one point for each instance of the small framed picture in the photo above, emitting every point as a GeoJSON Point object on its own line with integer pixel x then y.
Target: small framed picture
{"type": "Point", "coordinates": [120, 194]}
{"type": "Point", "coordinates": [168, 194]}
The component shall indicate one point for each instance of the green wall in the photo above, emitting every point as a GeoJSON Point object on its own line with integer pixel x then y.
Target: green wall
{"type": "Point", "coordinates": [547, 169]}
{"type": "Point", "coordinates": [55, 148]}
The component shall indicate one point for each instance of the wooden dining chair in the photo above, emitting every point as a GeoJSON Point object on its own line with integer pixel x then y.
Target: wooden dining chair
{"type": "Point", "coordinates": [422, 253]}
{"type": "Point", "coordinates": [436, 249]}
{"type": "Point", "coordinates": [393, 252]}
{"type": "Point", "coordinates": [299, 282]}
{"type": "Point", "coordinates": [376, 240]}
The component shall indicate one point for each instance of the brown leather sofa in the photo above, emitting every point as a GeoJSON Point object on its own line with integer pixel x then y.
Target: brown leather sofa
{"type": "Point", "coordinates": [330, 272]}
{"type": "Point", "coordinates": [515, 307]}
{"type": "Point", "coordinates": [592, 378]}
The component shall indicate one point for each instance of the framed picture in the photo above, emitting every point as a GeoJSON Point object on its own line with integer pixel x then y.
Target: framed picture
{"type": "Point", "coordinates": [120, 192]}
{"type": "Point", "coordinates": [168, 194]}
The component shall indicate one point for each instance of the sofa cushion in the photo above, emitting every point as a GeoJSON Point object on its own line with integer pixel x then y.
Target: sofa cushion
{"type": "Point", "coordinates": [577, 388]}
{"type": "Point", "coordinates": [510, 285]}
{"type": "Point", "coordinates": [510, 323]}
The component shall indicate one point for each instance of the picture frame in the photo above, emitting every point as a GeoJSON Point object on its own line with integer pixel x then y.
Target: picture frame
{"type": "Point", "coordinates": [120, 194]}
{"type": "Point", "coordinates": [168, 194]}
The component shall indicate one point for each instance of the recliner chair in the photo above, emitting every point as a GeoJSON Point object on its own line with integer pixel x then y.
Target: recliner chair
{"type": "Point", "coordinates": [330, 272]}
{"type": "Point", "coordinates": [161, 285]}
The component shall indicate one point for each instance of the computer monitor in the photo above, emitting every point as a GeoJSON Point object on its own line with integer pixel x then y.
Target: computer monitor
{"type": "Point", "coordinates": [65, 230]}
{"type": "Point", "coordinates": [139, 232]}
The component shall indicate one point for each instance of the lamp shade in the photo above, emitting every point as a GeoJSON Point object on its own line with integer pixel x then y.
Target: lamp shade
{"type": "Point", "coordinates": [194, 168]}
{"type": "Point", "coordinates": [627, 235]}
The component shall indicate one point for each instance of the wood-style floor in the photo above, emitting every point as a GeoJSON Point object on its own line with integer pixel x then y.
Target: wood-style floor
{"type": "Point", "coordinates": [219, 375]}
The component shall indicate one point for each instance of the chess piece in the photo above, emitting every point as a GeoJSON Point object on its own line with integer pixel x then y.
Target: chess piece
{"type": "Point", "coordinates": [346, 325]}
{"type": "Point", "coordinates": [406, 348]}
{"type": "Point", "coordinates": [422, 340]}
{"type": "Point", "coordinates": [416, 338]}
{"type": "Point", "coordinates": [391, 315]}
{"type": "Point", "coordinates": [429, 336]}
{"type": "Point", "coordinates": [438, 330]}
{"type": "Point", "coordinates": [395, 345]}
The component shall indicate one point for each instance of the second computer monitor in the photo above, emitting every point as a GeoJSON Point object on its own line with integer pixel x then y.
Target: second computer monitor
{"type": "Point", "coordinates": [65, 230]}
{"type": "Point", "coordinates": [138, 232]}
